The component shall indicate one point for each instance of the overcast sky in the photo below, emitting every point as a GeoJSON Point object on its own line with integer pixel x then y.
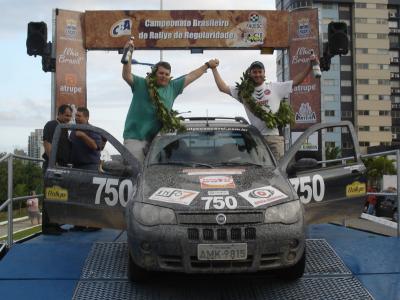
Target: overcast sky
{"type": "Point", "coordinates": [25, 97]}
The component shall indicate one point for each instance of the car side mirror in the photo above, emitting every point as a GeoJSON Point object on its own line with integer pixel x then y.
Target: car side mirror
{"type": "Point", "coordinates": [302, 164]}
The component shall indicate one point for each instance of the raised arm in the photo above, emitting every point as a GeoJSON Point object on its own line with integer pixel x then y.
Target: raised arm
{"type": "Point", "coordinates": [127, 68]}
{"type": "Point", "coordinates": [300, 76]}
{"type": "Point", "coordinates": [222, 86]}
{"type": "Point", "coordinates": [195, 74]}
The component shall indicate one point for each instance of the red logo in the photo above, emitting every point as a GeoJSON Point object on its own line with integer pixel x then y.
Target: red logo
{"type": "Point", "coordinates": [267, 92]}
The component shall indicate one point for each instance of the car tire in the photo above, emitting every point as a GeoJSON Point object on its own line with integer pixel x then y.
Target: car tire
{"type": "Point", "coordinates": [294, 272]}
{"type": "Point", "coordinates": [136, 273]}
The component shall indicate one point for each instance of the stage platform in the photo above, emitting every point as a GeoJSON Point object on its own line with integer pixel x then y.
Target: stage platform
{"type": "Point", "coordinates": [342, 263]}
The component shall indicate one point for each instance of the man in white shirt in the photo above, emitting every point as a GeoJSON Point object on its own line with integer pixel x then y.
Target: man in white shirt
{"type": "Point", "coordinates": [267, 94]}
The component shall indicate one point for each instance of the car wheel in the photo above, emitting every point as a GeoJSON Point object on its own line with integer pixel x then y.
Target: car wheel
{"type": "Point", "coordinates": [136, 273]}
{"type": "Point", "coordinates": [294, 272]}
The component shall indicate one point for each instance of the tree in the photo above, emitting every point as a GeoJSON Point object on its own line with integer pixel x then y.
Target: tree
{"type": "Point", "coordinates": [379, 166]}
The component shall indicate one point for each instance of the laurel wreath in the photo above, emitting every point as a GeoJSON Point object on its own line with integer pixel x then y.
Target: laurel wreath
{"type": "Point", "coordinates": [281, 118]}
{"type": "Point", "coordinates": [169, 119]}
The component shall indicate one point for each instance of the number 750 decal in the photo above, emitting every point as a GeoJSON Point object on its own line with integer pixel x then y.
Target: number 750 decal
{"type": "Point", "coordinates": [309, 188]}
{"type": "Point", "coordinates": [114, 192]}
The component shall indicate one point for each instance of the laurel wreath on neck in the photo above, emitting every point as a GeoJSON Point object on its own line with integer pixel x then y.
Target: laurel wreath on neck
{"type": "Point", "coordinates": [169, 119]}
{"type": "Point", "coordinates": [281, 118]}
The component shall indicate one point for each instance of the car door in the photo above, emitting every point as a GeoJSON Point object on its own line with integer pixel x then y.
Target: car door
{"type": "Point", "coordinates": [93, 198]}
{"type": "Point", "coordinates": [331, 183]}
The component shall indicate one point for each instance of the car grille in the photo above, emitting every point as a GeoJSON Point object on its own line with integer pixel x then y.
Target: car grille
{"type": "Point", "coordinates": [222, 234]}
{"type": "Point", "coordinates": [232, 218]}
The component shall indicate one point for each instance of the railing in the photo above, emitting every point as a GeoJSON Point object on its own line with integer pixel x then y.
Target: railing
{"type": "Point", "coordinates": [397, 154]}
{"type": "Point", "coordinates": [10, 200]}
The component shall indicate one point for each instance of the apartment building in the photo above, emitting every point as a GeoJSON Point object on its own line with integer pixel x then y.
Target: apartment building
{"type": "Point", "coordinates": [364, 85]}
{"type": "Point", "coordinates": [35, 144]}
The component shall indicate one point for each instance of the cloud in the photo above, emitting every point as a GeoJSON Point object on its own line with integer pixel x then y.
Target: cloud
{"type": "Point", "coordinates": [26, 89]}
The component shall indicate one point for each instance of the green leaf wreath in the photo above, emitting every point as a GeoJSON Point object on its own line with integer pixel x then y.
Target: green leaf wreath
{"type": "Point", "coordinates": [169, 119]}
{"type": "Point", "coordinates": [281, 118]}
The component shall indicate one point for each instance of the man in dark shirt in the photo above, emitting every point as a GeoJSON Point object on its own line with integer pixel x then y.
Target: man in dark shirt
{"type": "Point", "coordinates": [64, 116]}
{"type": "Point", "coordinates": [86, 145]}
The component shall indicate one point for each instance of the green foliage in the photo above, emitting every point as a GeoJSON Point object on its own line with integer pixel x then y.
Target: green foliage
{"type": "Point", "coordinates": [27, 177]}
{"type": "Point", "coordinates": [281, 118]}
{"type": "Point", "coordinates": [170, 121]}
{"type": "Point", "coordinates": [379, 166]}
{"type": "Point", "coordinates": [332, 153]}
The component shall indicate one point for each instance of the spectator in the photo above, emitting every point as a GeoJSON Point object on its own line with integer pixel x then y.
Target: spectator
{"type": "Point", "coordinates": [86, 145]}
{"type": "Point", "coordinates": [33, 208]}
{"type": "Point", "coordinates": [371, 200]}
{"type": "Point", "coordinates": [64, 116]}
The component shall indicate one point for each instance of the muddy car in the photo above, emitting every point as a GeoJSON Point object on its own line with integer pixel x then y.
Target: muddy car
{"type": "Point", "coordinates": [211, 199]}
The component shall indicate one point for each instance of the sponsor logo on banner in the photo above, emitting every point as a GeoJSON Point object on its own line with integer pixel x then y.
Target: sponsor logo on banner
{"type": "Point", "coordinates": [56, 193]}
{"type": "Point", "coordinates": [121, 28]}
{"type": "Point", "coordinates": [217, 182]}
{"type": "Point", "coordinates": [302, 55]}
{"type": "Point", "coordinates": [70, 86]}
{"type": "Point", "coordinates": [303, 29]}
{"type": "Point", "coordinates": [71, 31]}
{"type": "Point", "coordinates": [305, 114]}
{"type": "Point", "coordinates": [172, 195]}
{"type": "Point", "coordinates": [70, 56]}
{"type": "Point", "coordinates": [305, 88]}
{"type": "Point", "coordinates": [263, 195]}
{"type": "Point", "coordinates": [356, 189]}
{"type": "Point", "coordinates": [255, 35]}
{"type": "Point", "coordinates": [213, 171]}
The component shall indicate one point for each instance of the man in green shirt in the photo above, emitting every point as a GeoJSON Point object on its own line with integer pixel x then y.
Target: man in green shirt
{"type": "Point", "coordinates": [142, 124]}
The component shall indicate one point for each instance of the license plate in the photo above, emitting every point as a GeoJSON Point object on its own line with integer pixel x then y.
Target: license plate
{"type": "Point", "coordinates": [237, 251]}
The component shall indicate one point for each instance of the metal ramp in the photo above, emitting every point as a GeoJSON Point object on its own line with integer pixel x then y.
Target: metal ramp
{"type": "Point", "coordinates": [104, 276]}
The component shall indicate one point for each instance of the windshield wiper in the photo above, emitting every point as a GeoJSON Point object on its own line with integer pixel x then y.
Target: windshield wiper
{"type": "Point", "coordinates": [231, 163]}
{"type": "Point", "coordinates": [183, 163]}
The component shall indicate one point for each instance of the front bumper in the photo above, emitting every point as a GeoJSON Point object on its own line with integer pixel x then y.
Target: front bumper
{"type": "Point", "coordinates": [174, 247]}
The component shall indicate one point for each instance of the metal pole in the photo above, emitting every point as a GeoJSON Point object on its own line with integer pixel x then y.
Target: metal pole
{"type": "Point", "coordinates": [161, 52]}
{"type": "Point", "coordinates": [398, 194]}
{"type": "Point", "coordinates": [10, 205]}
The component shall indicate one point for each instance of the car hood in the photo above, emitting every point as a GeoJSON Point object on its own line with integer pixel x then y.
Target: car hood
{"type": "Point", "coordinates": [183, 188]}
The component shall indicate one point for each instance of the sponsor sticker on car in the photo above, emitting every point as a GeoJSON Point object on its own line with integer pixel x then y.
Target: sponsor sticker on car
{"type": "Point", "coordinates": [173, 195]}
{"type": "Point", "coordinates": [217, 182]}
{"type": "Point", "coordinates": [263, 195]}
{"type": "Point", "coordinates": [56, 193]}
{"type": "Point", "coordinates": [356, 189]}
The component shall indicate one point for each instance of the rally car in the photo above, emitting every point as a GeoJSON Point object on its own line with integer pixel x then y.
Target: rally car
{"type": "Point", "coordinates": [211, 199]}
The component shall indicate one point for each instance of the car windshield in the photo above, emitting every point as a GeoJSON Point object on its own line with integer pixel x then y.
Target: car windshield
{"type": "Point", "coordinates": [207, 147]}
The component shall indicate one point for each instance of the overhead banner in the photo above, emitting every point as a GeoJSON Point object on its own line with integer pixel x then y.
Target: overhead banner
{"type": "Point", "coordinates": [303, 39]}
{"type": "Point", "coordinates": [187, 29]}
{"type": "Point", "coordinates": [70, 59]}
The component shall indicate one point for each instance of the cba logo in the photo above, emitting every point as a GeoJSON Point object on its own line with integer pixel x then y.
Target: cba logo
{"type": "Point", "coordinates": [121, 28]}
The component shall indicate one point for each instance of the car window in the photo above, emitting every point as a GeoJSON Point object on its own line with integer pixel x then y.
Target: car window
{"type": "Point", "coordinates": [211, 147]}
{"type": "Point", "coordinates": [328, 147]}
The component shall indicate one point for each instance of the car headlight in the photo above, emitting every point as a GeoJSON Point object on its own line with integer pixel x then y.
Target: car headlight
{"type": "Point", "coordinates": [151, 215]}
{"type": "Point", "coordinates": [286, 213]}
